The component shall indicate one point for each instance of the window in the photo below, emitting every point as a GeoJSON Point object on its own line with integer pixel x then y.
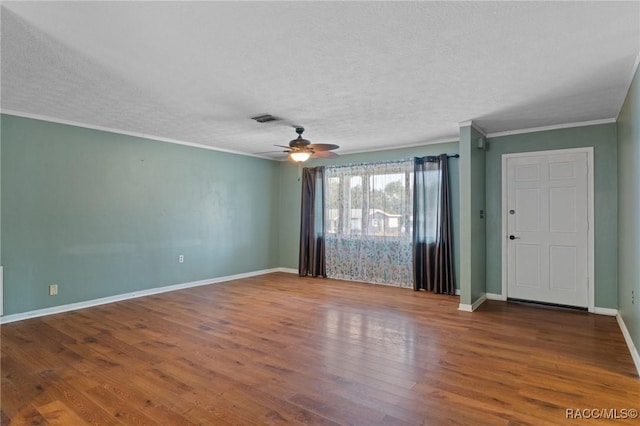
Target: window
{"type": "Point", "coordinates": [369, 222]}
{"type": "Point", "coordinates": [369, 199]}
{"type": "Point", "coordinates": [386, 223]}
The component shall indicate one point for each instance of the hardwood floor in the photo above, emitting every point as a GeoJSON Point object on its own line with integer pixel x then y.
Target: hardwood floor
{"type": "Point", "coordinates": [282, 349]}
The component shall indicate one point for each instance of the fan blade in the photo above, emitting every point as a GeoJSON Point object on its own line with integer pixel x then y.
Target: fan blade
{"type": "Point", "coordinates": [282, 146]}
{"type": "Point", "coordinates": [267, 152]}
{"type": "Point", "coordinates": [324, 154]}
{"type": "Point", "coordinates": [323, 146]}
{"type": "Point", "coordinates": [299, 143]}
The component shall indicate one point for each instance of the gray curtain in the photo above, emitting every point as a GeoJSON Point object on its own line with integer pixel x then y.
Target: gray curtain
{"type": "Point", "coordinates": [312, 257]}
{"type": "Point", "coordinates": [432, 244]}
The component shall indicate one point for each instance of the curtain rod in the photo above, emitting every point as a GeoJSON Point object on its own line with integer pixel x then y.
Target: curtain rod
{"type": "Point", "coordinates": [448, 156]}
{"type": "Point", "coordinates": [380, 162]}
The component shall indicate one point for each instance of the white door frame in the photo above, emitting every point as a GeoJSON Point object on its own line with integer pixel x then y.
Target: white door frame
{"type": "Point", "coordinates": [590, 207]}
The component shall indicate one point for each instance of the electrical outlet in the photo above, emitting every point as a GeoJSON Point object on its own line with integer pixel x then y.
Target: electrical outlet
{"type": "Point", "coordinates": [53, 290]}
{"type": "Point", "coordinates": [633, 297]}
{"type": "Point", "coordinates": [181, 258]}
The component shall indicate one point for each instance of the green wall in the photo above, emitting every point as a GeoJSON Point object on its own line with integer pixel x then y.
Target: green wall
{"type": "Point", "coordinates": [472, 213]}
{"type": "Point", "coordinates": [1, 272]}
{"type": "Point", "coordinates": [603, 139]}
{"type": "Point", "coordinates": [0, 200]}
{"type": "Point", "coordinates": [629, 210]}
{"type": "Point", "coordinates": [102, 214]}
{"type": "Point", "coordinates": [290, 193]}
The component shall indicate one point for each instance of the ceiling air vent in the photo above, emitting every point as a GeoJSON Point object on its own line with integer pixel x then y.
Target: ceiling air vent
{"type": "Point", "coordinates": [265, 118]}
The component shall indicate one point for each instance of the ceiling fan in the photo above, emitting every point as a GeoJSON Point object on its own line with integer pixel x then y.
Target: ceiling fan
{"type": "Point", "coordinates": [301, 150]}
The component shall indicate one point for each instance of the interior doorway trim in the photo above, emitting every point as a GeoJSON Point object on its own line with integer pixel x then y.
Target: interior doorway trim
{"type": "Point", "coordinates": [590, 216]}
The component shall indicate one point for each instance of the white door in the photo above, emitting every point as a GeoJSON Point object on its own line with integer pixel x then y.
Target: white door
{"type": "Point", "coordinates": [547, 228]}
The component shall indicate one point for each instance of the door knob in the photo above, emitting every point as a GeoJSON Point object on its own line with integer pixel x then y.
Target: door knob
{"type": "Point", "coordinates": [513, 237]}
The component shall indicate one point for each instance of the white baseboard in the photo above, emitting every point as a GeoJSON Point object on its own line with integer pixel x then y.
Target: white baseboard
{"type": "Point", "coordinates": [627, 337]}
{"type": "Point", "coordinates": [470, 308]}
{"type": "Point", "coordinates": [479, 302]}
{"type": "Point", "coordinates": [287, 270]}
{"type": "Point", "coordinates": [600, 311]}
{"type": "Point", "coordinates": [494, 296]}
{"type": "Point", "coordinates": [119, 297]}
{"type": "Point", "coordinates": [605, 311]}
{"type": "Point", "coordinates": [465, 307]}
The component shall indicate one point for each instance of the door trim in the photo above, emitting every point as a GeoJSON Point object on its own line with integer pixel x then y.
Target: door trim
{"type": "Point", "coordinates": [590, 216]}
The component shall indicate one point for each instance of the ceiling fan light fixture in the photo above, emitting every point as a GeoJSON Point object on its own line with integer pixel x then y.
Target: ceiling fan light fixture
{"type": "Point", "coordinates": [300, 157]}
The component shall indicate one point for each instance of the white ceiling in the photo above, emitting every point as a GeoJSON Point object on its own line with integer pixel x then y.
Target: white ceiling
{"type": "Point", "coordinates": [363, 75]}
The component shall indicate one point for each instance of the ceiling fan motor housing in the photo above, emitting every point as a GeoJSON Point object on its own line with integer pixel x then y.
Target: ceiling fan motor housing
{"type": "Point", "coordinates": [299, 142]}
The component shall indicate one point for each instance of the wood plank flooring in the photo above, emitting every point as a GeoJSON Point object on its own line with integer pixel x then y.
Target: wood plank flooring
{"type": "Point", "coordinates": [279, 349]}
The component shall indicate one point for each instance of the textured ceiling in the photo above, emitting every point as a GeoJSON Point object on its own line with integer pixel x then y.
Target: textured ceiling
{"type": "Point", "coordinates": [363, 75]}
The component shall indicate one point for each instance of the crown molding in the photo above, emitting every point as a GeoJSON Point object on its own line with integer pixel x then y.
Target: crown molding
{"type": "Point", "coordinates": [389, 148]}
{"type": "Point", "coordinates": [553, 127]}
{"type": "Point", "coordinates": [634, 69]}
{"type": "Point", "coordinates": [470, 123]}
{"type": "Point", "coordinates": [125, 132]}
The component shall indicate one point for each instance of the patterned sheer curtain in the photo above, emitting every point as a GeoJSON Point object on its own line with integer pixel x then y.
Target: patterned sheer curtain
{"type": "Point", "coordinates": [433, 259]}
{"type": "Point", "coordinates": [368, 222]}
{"type": "Point", "coordinates": [312, 252]}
